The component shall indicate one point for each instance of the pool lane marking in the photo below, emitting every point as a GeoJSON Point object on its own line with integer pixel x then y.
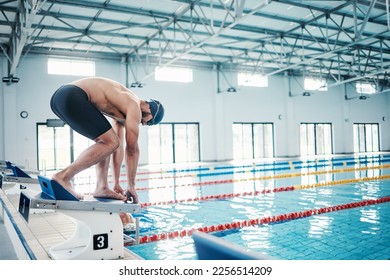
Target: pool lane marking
{"type": "Point", "coordinates": [161, 172]}
{"type": "Point", "coordinates": [269, 177]}
{"type": "Point", "coordinates": [295, 164]}
{"type": "Point", "coordinates": [267, 191]}
{"type": "Point", "coordinates": [321, 162]}
{"type": "Point", "coordinates": [288, 167]}
{"type": "Point", "coordinates": [262, 221]}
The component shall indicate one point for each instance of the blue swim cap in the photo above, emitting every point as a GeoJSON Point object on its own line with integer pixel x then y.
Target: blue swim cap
{"type": "Point", "coordinates": [157, 111]}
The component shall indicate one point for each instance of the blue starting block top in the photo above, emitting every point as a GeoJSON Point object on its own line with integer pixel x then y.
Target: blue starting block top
{"type": "Point", "coordinates": [17, 172]}
{"type": "Point", "coordinates": [53, 190]}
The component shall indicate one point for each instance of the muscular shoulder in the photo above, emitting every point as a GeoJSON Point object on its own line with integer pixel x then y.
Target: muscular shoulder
{"type": "Point", "coordinates": [110, 97]}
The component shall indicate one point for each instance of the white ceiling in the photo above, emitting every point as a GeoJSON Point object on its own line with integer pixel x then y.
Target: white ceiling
{"type": "Point", "coordinates": [338, 40]}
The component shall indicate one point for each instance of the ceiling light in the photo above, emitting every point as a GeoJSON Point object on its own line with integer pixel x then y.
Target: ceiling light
{"type": "Point", "coordinates": [10, 79]}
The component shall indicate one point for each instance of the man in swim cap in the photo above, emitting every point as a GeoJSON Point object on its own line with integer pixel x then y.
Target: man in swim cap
{"type": "Point", "coordinates": [83, 105]}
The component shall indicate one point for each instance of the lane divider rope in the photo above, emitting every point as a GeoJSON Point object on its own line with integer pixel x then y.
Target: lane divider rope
{"type": "Point", "coordinates": [270, 177]}
{"type": "Point", "coordinates": [265, 191]}
{"type": "Point", "coordinates": [333, 161]}
{"type": "Point", "coordinates": [262, 221]}
{"type": "Point", "coordinates": [289, 167]}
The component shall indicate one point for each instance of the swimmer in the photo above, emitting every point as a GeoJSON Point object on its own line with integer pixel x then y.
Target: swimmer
{"type": "Point", "coordinates": [83, 105]}
{"type": "Point", "coordinates": [128, 222]}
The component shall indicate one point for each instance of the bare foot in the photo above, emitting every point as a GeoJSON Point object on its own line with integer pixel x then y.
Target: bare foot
{"type": "Point", "coordinates": [108, 193]}
{"type": "Point", "coordinates": [67, 186]}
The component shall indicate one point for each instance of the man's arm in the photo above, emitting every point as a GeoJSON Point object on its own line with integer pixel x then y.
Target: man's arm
{"type": "Point", "coordinates": [132, 154]}
{"type": "Point", "coordinates": [117, 156]}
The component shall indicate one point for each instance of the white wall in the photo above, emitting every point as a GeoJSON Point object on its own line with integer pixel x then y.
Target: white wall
{"type": "Point", "coordinates": [2, 124]}
{"type": "Point", "coordinates": [196, 102]}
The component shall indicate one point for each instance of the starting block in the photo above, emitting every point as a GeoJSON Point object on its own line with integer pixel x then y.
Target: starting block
{"type": "Point", "coordinates": [99, 229]}
{"type": "Point", "coordinates": [17, 175]}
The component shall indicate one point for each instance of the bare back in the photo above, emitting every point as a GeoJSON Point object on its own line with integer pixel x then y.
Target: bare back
{"type": "Point", "coordinates": [111, 98]}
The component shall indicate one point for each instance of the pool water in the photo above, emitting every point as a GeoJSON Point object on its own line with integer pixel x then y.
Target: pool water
{"type": "Point", "coordinates": [357, 233]}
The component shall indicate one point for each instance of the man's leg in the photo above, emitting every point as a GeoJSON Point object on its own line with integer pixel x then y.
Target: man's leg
{"type": "Point", "coordinates": [104, 145]}
{"type": "Point", "coordinates": [102, 188]}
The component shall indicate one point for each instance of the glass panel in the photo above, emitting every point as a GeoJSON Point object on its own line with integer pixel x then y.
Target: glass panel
{"type": "Point", "coordinates": [327, 139]}
{"type": "Point", "coordinates": [80, 144]}
{"type": "Point", "coordinates": [62, 146]}
{"type": "Point", "coordinates": [365, 88]}
{"type": "Point", "coordinates": [154, 145]}
{"type": "Point", "coordinates": [303, 138]}
{"type": "Point", "coordinates": [362, 143]}
{"type": "Point", "coordinates": [247, 141]}
{"type": "Point", "coordinates": [252, 80]}
{"type": "Point", "coordinates": [193, 142]}
{"type": "Point", "coordinates": [310, 140]}
{"type": "Point", "coordinates": [166, 143]}
{"type": "Point", "coordinates": [237, 141]}
{"type": "Point", "coordinates": [53, 147]}
{"type": "Point", "coordinates": [162, 148]}
{"type": "Point", "coordinates": [258, 137]}
{"type": "Point", "coordinates": [70, 67]}
{"type": "Point", "coordinates": [45, 148]}
{"type": "Point", "coordinates": [252, 140]}
{"type": "Point", "coordinates": [172, 74]}
{"type": "Point", "coordinates": [320, 139]}
{"type": "Point", "coordinates": [315, 84]}
{"type": "Point", "coordinates": [375, 138]}
{"type": "Point", "coordinates": [186, 142]}
{"type": "Point", "coordinates": [263, 140]}
{"type": "Point", "coordinates": [180, 143]}
{"type": "Point", "coordinates": [268, 140]}
{"type": "Point", "coordinates": [368, 138]}
{"type": "Point", "coordinates": [355, 138]}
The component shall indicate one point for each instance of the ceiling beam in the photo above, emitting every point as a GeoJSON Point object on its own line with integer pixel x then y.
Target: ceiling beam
{"type": "Point", "coordinates": [20, 34]}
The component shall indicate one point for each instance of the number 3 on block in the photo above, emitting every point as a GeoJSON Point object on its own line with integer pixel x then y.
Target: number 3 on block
{"type": "Point", "coordinates": [100, 241]}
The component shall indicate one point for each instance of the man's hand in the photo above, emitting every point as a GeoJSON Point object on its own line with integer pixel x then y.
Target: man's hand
{"type": "Point", "coordinates": [131, 193]}
{"type": "Point", "coordinates": [118, 189]}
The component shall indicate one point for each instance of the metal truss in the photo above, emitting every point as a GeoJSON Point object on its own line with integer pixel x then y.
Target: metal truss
{"type": "Point", "coordinates": [341, 43]}
{"type": "Point", "coordinates": [21, 31]}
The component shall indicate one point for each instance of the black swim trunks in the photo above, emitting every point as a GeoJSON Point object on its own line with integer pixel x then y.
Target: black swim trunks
{"type": "Point", "coordinates": [71, 104]}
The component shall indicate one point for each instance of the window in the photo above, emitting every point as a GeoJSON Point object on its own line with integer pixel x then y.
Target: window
{"type": "Point", "coordinates": [54, 144]}
{"type": "Point", "coordinates": [366, 137]}
{"type": "Point", "coordinates": [365, 88]}
{"type": "Point", "coordinates": [173, 143]}
{"type": "Point", "coordinates": [253, 140]}
{"type": "Point", "coordinates": [70, 67]}
{"type": "Point", "coordinates": [58, 146]}
{"type": "Point", "coordinates": [315, 84]}
{"type": "Point", "coordinates": [316, 139]}
{"type": "Point", "coordinates": [171, 74]}
{"type": "Point", "coordinates": [252, 80]}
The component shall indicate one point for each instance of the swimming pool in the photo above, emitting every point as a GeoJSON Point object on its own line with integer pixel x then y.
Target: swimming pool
{"type": "Point", "coordinates": [330, 209]}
